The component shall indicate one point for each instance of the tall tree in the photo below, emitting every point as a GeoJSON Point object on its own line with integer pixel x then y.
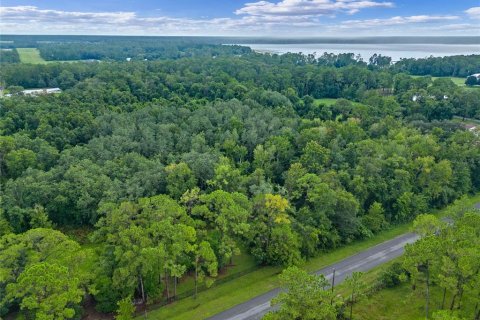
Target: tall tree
{"type": "Point", "coordinates": [305, 297]}
{"type": "Point", "coordinates": [47, 290]}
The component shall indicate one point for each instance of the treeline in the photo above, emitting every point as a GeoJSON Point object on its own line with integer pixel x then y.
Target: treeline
{"type": "Point", "coordinates": [61, 48]}
{"type": "Point", "coordinates": [65, 48]}
{"type": "Point", "coordinates": [176, 166]}
{"type": "Point", "coordinates": [136, 50]}
{"type": "Point", "coordinates": [449, 66]}
{"type": "Point", "coordinates": [9, 56]}
{"type": "Point", "coordinates": [281, 78]}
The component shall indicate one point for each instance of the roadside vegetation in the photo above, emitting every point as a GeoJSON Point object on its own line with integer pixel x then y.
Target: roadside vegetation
{"type": "Point", "coordinates": [437, 278]}
{"type": "Point", "coordinates": [226, 295]}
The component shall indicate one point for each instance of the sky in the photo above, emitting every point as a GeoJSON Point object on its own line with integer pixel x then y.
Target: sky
{"type": "Point", "coordinates": [274, 18]}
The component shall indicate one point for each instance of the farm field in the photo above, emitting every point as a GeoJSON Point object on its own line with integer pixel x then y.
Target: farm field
{"type": "Point", "coordinates": [332, 101]}
{"type": "Point", "coordinates": [30, 55]}
{"type": "Point", "coordinates": [457, 80]}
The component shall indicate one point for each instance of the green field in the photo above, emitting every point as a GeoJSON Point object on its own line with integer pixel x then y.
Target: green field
{"type": "Point", "coordinates": [404, 303]}
{"type": "Point", "coordinates": [466, 121]}
{"type": "Point", "coordinates": [30, 55]}
{"type": "Point", "coordinates": [231, 293]}
{"type": "Point", "coordinates": [401, 302]}
{"type": "Point", "coordinates": [331, 101]}
{"type": "Point", "coordinates": [457, 80]}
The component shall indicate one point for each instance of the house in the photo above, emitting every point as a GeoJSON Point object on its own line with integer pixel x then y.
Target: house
{"type": "Point", "coordinates": [416, 97]}
{"type": "Point", "coordinates": [470, 127]}
{"type": "Point", "coordinates": [36, 92]}
{"type": "Point", "coordinates": [476, 75]}
{"type": "Point", "coordinates": [475, 129]}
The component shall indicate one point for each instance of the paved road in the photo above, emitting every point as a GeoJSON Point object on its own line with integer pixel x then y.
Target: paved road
{"type": "Point", "coordinates": [255, 308]}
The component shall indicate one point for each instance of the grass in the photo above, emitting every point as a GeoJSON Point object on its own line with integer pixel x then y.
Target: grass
{"type": "Point", "coordinates": [262, 280]}
{"type": "Point", "coordinates": [403, 303]}
{"type": "Point", "coordinates": [466, 121]}
{"type": "Point", "coordinates": [241, 263]}
{"type": "Point", "coordinates": [331, 101]}
{"type": "Point", "coordinates": [30, 55]}
{"type": "Point", "coordinates": [326, 101]}
{"type": "Point", "coordinates": [228, 294]}
{"type": "Point", "coordinates": [457, 80]}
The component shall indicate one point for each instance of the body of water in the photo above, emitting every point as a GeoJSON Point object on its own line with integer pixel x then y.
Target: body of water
{"type": "Point", "coordinates": [394, 50]}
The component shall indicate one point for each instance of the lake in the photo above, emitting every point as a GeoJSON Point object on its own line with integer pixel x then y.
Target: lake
{"type": "Point", "coordinates": [394, 50]}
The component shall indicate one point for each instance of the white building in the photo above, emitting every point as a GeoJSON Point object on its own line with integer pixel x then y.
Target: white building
{"type": "Point", "coordinates": [36, 92]}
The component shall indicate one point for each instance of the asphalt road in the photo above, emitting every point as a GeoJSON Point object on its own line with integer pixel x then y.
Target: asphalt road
{"type": "Point", "coordinates": [257, 307]}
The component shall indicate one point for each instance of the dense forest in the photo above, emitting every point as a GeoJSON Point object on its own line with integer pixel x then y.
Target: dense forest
{"type": "Point", "coordinates": [454, 66]}
{"type": "Point", "coordinates": [173, 167]}
{"type": "Point", "coordinates": [8, 55]}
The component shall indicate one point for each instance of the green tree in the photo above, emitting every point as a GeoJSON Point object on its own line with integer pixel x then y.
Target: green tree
{"type": "Point", "coordinates": [357, 285]}
{"type": "Point", "coordinates": [304, 298]}
{"type": "Point", "coordinates": [179, 179]}
{"type": "Point", "coordinates": [374, 220]}
{"type": "Point", "coordinates": [471, 81]}
{"type": "Point", "coordinates": [49, 291]}
{"type": "Point", "coordinates": [422, 256]}
{"type": "Point", "coordinates": [226, 217]}
{"type": "Point", "coordinates": [125, 309]}
{"type": "Point", "coordinates": [315, 157]}
{"type": "Point", "coordinates": [206, 265]}
{"type": "Point", "coordinates": [227, 177]}
{"type": "Point", "coordinates": [17, 161]}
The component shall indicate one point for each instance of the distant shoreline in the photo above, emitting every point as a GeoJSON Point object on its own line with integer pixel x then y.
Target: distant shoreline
{"type": "Point", "coordinates": [7, 38]}
{"type": "Point", "coordinates": [396, 51]}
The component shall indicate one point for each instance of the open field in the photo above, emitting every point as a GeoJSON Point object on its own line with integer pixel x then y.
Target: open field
{"type": "Point", "coordinates": [457, 80]}
{"type": "Point", "coordinates": [30, 55]}
{"type": "Point", "coordinates": [403, 303]}
{"type": "Point", "coordinates": [466, 121]}
{"type": "Point", "coordinates": [231, 293]}
{"type": "Point", "coordinates": [331, 101]}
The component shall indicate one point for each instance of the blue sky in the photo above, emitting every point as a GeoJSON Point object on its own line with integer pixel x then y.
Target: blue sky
{"type": "Point", "coordinates": [242, 18]}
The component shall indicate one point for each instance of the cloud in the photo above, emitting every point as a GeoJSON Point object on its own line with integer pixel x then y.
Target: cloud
{"type": "Point", "coordinates": [33, 14]}
{"type": "Point", "coordinates": [398, 20]}
{"type": "Point", "coordinates": [473, 13]}
{"type": "Point", "coordinates": [307, 7]}
{"type": "Point", "coordinates": [304, 18]}
{"type": "Point", "coordinates": [28, 19]}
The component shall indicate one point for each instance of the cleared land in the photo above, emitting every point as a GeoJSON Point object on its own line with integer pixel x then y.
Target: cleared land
{"type": "Point", "coordinates": [403, 303]}
{"type": "Point", "coordinates": [331, 101]}
{"type": "Point", "coordinates": [30, 55]}
{"type": "Point", "coordinates": [457, 80]}
{"type": "Point", "coordinates": [226, 295]}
